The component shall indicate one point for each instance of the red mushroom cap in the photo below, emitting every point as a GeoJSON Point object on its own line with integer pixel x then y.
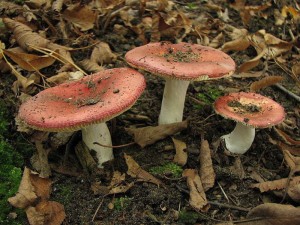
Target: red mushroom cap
{"type": "Point", "coordinates": [181, 61]}
{"type": "Point", "coordinates": [92, 99]}
{"type": "Point", "coordinates": [250, 109]}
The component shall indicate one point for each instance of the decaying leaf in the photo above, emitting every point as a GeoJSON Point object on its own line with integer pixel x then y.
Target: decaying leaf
{"type": "Point", "coordinates": [30, 62]}
{"type": "Point", "coordinates": [275, 214]}
{"type": "Point", "coordinates": [270, 214]}
{"type": "Point", "coordinates": [148, 135]}
{"type": "Point", "coordinates": [181, 154]}
{"type": "Point", "coordinates": [33, 195]}
{"type": "Point", "coordinates": [206, 169]}
{"type": "Point", "coordinates": [197, 194]}
{"type": "Point", "coordinates": [46, 213]}
{"type": "Point", "coordinates": [81, 16]}
{"type": "Point", "coordinates": [26, 193]}
{"type": "Point", "coordinates": [287, 139]}
{"type": "Point", "coordinates": [265, 82]}
{"type": "Point", "coordinates": [136, 171]}
{"type": "Point", "coordinates": [276, 184]}
{"type": "Point", "coordinates": [102, 53]}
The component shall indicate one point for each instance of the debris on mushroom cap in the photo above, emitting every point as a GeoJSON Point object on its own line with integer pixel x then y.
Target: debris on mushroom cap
{"type": "Point", "coordinates": [93, 99]}
{"type": "Point", "coordinates": [183, 61]}
{"type": "Point", "coordinates": [250, 109]}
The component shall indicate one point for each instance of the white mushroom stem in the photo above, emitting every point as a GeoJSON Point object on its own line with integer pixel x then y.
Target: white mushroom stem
{"type": "Point", "coordinates": [98, 133]}
{"type": "Point", "coordinates": [173, 101]}
{"type": "Point", "coordinates": [240, 139]}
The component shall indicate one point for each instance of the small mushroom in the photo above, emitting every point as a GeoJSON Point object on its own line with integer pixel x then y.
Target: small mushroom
{"type": "Point", "coordinates": [179, 64]}
{"type": "Point", "coordinates": [250, 111]}
{"type": "Point", "coordinates": [85, 105]}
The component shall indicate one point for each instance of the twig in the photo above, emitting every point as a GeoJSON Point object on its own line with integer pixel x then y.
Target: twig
{"type": "Point", "coordinates": [224, 205]}
{"type": "Point", "coordinates": [114, 146]}
{"type": "Point", "coordinates": [223, 191]}
{"type": "Point", "coordinates": [291, 94]}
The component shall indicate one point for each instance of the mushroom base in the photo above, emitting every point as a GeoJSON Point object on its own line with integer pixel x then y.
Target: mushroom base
{"type": "Point", "coordinates": [173, 101]}
{"type": "Point", "coordinates": [98, 133]}
{"type": "Point", "coordinates": [240, 139]}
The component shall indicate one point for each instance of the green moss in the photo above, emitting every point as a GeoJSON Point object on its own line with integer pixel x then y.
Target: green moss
{"type": "Point", "coordinates": [121, 203]}
{"type": "Point", "coordinates": [11, 162]}
{"type": "Point", "coordinates": [168, 168]}
{"type": "Point", "coordinates": [188, 217]}
{"type": "Point", "coordinates": [208, 96]}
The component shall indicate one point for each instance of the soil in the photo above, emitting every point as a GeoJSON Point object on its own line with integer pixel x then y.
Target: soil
{"type": "Point", "coordinates": [145, 203]}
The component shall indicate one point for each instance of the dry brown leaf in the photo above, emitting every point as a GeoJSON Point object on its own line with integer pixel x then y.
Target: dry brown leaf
{"type": "Point", "coordinates": [57, 5]}
{"type": "Point", "coordinates": [181, 154]}
{"type": "Point", "coordinates": [42, 186]}
{"type": "Point", "coordinates": [292, 11]}
{"type": "Point", "coordinates": [149, 135]}
{"type": "Point", "coordinates": [276, 184]}
{"type": "Point", "coordinates": [206, 169]}
{"type": "Point", "coordinates": [239, 39]}
{"type": "Point", "coordinates": [102, 54]}
{"type": "Point", "coordinates": [121, 188]}
{"type": "Point", "coordinates": [25, 36]}
{"type": "Point", "coordinates": [26, 193]}
{"type": "Point", "coordinates": [197, 194]}
{"type": "Point", "coordinates": [237, 168]}
{"type": "Point", "coordinates": [286, 137]}
{"type": "Point", "coordinates": [90, 66]}
{"type": "Point", "coordinates": [275, 214]}
{"type": "Point", "coordinates": [46, 213]}
{"type": "Point", "coordinates": [249, 74]}
{"type": "Point", "coordinates": [265, 82]}
{"type": "Point", "coordinates": [246, 66]}
{"type": "Point", "coordinates": [30, 62]}
{"type": "Point", "coordinates": [135, 171]}
{"type": "Point", "coordinates": [99, 189]}
{"type": "Point", "coordinates": [81, 16]}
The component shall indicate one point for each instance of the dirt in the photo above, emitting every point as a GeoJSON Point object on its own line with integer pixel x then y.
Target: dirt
{"type": "Point", "coordinates": [145, 203]}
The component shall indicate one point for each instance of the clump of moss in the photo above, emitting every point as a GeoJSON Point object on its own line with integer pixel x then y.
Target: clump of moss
{"type": "Point", "coordinates": [188, 217]}
{"type": "Point", "coordinates": [121, 203]}
{"type": "Point", "coordinates": [208, 96]}
{"type": "Point", "coordinates": [170, 169]}
{"type": "Point", "coordinates": [11, 162]}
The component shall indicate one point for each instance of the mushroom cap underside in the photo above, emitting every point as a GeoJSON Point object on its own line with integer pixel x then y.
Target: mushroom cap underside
{"type": "Point", "coordinates": [93, 99]}
{"type": "Point", "coordinates": [250, 109]}
{"type": "Point", "coordinates": [183, 61]}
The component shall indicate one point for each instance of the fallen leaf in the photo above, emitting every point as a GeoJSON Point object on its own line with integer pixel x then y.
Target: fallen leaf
{"type": "Point", "coordinates": [46, 213]}
{"type": "Point", "coordinates": [148, 135]}
{"type": "Point", "coordinates": [197, 194]}
{"type": "Point", "coordinates": [265, 82]}
{"type": "Point", "coordinates": [26, 193]}
{"type": "Point", "coordinates": [102, 53]}
{"type": "Point", "coordinates": [276, 184]}
{"type": "Point", "coordinates": [287, 139]}
{"type": "Point", "coordinates": [135, 171]}
{"type": "Point", "coordinates": [275, 214]}
{"type": "Point", "coordinates": [81, 16]}
{"type": "Point", "coordinates": [206, 170]}
{"type": "Point", "coordinates": [30, 62]}
{"type": "Point", "coordinates": [181, 154]}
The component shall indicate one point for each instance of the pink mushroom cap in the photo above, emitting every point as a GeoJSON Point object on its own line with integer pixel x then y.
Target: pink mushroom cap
{"type": "Point", "coordinates": [183, 61]}
{"type": "Point", "coordinates": [250, 109]}
{"type": "Point", "coordinates": [93, 99]}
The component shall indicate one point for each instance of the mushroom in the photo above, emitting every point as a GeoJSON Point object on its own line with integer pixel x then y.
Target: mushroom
{"type": "Point", "coordinates": [250, 111]}
{"type": "Point", "coordinates": [179, 64]}
{"type": "Point", "coordinates": [85, 105]}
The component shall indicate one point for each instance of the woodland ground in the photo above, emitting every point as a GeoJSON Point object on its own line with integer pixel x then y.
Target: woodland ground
{"type": "Point", "coordinates": [145, 203]}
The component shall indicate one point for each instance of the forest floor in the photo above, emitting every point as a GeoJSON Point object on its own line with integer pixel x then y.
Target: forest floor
{"type": "Point", "coordinates": [259, 25]}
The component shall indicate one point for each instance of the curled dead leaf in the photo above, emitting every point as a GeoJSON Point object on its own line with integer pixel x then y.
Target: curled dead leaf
{"type": "Point", "coordinates": [206, 169]}
{"type": "Point", "coordinates": [135, 171]}
{"type": "Point", "coordinates": [148, 135]}
{"type": "Point", "coordinates": [197, 194]}
{"type": "Point", "coordinates": [265, 82]}
{"type": "Point", "coordinates": [181, 154]}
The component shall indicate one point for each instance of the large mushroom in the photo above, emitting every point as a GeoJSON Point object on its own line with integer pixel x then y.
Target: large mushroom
{"type": "Point", "coordinates": [250, 111]}
{"type": "Point", "coordinates": [85, 104]}
{"type": "Point", "coordinates": [179, 64]}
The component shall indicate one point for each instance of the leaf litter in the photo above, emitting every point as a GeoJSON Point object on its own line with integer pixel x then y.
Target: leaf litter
{"type": "Point", "coordinates": [208, 23]}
